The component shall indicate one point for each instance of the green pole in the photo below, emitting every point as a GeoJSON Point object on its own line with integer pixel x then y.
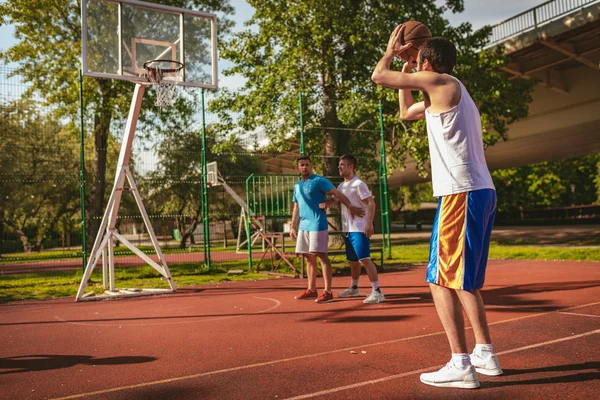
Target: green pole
{"type": "Point", "coordinates": [248, 224]}
{"type": "Point", "coordinates": [82, 173]}
{"type": "Point", "coordinates": [204, 180]}
{"type": "Point", "coordinates": [385, 214]}
{"type": "Point", "coordinates": [301, 125]}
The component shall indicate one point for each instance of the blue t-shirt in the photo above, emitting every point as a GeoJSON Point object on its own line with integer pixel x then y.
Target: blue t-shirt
{"type": "Point", "coordinates": [309, 194]}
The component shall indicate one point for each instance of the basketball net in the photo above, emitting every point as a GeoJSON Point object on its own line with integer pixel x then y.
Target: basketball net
{"type": "Point", "coordinates": [156, 71]}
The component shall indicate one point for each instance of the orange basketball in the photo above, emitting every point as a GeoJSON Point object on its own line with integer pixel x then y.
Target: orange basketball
{"type": "Point", "coordinates": [415, 33]}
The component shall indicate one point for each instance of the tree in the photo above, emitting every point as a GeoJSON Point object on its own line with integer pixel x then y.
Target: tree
{"type": "Point", "coordinates": [328, 54]}
{"type": "Point", "coordinates": [175, 187]}
{"type": "Point", "coordinates": [48, 54]}
{"type": "Point", "coordinates": [39, 163]}
{"type": "Point", "coordinates": [548, 184]}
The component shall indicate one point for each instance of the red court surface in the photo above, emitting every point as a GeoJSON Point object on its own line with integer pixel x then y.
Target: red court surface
{"type": "Point", "coordinates": [252, 340]}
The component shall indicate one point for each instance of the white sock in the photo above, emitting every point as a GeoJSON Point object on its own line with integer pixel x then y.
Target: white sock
{"type": "Point", "coordinates": [484, 349]}
{"type": "Point", "coordinates": [462, 360]}
{"type": "Point", "coordinates": [375, 285]}
{"type": "Point", "coordinates": [354, 283]}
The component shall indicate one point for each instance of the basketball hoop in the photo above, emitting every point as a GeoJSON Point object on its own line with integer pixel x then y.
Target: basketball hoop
{"type": "Point", "coordinates": [165, 75]}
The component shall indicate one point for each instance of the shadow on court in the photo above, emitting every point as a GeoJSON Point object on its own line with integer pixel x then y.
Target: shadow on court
{"type": "Point", "coordinates": [577, 377]}
{"type": "Point", "coordinates": [43, 362]}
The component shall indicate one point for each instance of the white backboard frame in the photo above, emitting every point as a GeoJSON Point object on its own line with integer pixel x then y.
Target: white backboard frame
{"type": "Point", "coordinates": [212, 174]}
{"type": "Point", "coordinates": [181, 12]}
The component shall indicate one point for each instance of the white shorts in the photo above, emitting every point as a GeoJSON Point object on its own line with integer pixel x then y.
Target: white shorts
{"type": "Point", "coordinates": [312, 241]}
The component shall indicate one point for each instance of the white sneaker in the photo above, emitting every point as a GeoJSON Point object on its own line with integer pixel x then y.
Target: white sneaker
{"type": "Point", "coordinates": [350, 292]}
{"type": "Point", "coordinates": [451, 376]}
{"type": "Point", "coordinates": [374, 298]}
{"type": "Point", "coordinates": [486, 364]}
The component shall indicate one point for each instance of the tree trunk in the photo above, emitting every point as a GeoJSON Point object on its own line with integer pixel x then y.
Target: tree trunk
{"type": "Point", "coordinates": [1, 231]}
{"type": "Point", "coordinates": [336, 140]}
{"type": "Point", "coordinates": [24, 240]}
{"type": "Point", "coordinates": [102, 119]}
{"type": "Point", "coordinates": [188, 233]}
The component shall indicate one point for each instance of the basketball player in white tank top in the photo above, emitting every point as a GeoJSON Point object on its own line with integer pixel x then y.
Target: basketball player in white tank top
{"type": "Point", "coordinates": [464, 186]}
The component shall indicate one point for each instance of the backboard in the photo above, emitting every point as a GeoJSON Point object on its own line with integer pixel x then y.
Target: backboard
{"type": "Point", "coordinates": [119, 36]}
{"type": "Point", "coordinates": [212, 174]}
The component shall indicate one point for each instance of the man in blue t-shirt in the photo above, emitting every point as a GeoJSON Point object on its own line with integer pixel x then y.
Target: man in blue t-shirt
{"type": "Point", "coordinates": [309, 227]}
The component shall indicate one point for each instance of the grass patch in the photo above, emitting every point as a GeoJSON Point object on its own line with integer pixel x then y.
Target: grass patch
{"type": "Point", "coordinates": [46, 255]}
{"type": "Point", "coordinates": [66, 283]}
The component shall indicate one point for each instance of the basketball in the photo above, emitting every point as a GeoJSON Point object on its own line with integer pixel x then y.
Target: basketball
{"type": "Point", "coordinates": [415, 33]}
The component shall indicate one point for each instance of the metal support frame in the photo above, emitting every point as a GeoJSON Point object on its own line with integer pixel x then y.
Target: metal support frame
{"type": "Point", "coordinates": [107, 234]}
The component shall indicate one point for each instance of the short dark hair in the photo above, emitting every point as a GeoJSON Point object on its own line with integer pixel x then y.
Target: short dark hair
{"type": "Point", "coordinates": [441, 54]}
{"type": "Point", "coordinates": [303, 158]}
{"type": "Point", "coordinates": [351, 160]}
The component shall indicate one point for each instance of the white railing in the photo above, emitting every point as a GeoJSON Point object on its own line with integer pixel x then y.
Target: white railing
{"type": "Point", "coordinates": [535, 17]}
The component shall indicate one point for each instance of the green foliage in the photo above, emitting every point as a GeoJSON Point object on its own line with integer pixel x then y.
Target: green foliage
{"type": "Point", "coordinates": [328, 54]}
{"type": "Point", "coordinates": [47, 53]}
{"type": "Point", "coordinates": [597, 182]}
{"type": "Point", "coordinates": [174, 189]}
{"type": "Point", "coordinates": [548, 184]}
{"type": "Point", "coordinates": [38, 163]}
{"type": "Point", "coordinates": [411, 197]}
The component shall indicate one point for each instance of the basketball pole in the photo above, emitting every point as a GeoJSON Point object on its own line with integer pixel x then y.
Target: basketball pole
{"type": "Point", "coordinates": [82, 173]}
{"type": "Point", "coordinates": [383, 189]}
{"type": "Point", "coordinates": [204, 181]}
{"type": "Point", "coordinates": [107, 233]}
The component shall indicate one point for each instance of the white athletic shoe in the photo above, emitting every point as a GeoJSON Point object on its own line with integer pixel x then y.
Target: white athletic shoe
{"type": "Point", "coordinates": [451, 376]}
{"type": "Point", "coordinates": [350, 292]}
{"type": "Point", "coordinates": [486, 364]}
{"type": "Point", "coordinates": [374, 298]}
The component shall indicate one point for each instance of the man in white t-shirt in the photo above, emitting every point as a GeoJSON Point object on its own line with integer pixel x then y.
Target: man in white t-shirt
{"type": "Point", "coordinates": [357, 230]}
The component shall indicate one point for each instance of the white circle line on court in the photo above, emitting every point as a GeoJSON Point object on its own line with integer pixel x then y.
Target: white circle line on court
{"type": "Point", "coordinates": [190, 321]}
{"type": "Point", "coordinates": [283, 360]}
{"type": "Point", "coordinates": [391, 377]}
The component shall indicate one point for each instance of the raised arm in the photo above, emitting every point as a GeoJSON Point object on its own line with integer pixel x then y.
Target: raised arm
{"type": "Point", "coordinates": [384, 76]}
{"type": "Point", "coordinates": [409, 110]}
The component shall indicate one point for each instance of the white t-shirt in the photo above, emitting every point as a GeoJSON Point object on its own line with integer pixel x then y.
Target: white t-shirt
{"type": "Point", "coordinates": [456, 149]}
{"type": "Point", "coordinates": [356, 191]}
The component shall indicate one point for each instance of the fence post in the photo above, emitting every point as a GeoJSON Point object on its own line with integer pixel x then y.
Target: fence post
{"type": "Point", "coordinates": [82, 173]}
{"type": "Point", "coordinates": [249, 214]}
{"type": "Point", "coordinates": [204, 182]}
{"type": "Point", "coordinates": [383, 189]}
{"type": "Point", "coordinates": [301, 125]}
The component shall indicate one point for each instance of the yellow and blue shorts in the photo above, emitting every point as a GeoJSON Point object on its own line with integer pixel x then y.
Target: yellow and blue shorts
{"type": "Point", "coordinates": [460, 239]}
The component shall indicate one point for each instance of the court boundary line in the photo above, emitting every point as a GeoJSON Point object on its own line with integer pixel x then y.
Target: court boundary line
{"type": "Point", "coordinates": [404, 374]}
{"type": "Point", "coordinates": [579, 314]}
{"type": "Point", "coordinates": [305, 356]}
{"type": "Point", "coordinates": [190, 321]}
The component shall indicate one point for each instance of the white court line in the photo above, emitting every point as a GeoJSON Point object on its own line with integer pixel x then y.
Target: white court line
{"type": "Point", "coordinates": [302, 357]}
{"type": "Point", "coordinates": [196, 319]}
{"type": "Point", "coordinates": [397, 376]}
{"type": "Point", "coordinates": [579, 314]}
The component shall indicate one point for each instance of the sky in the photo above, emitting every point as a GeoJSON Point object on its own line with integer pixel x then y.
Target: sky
{"type": "Point", "coordinates": [478, 12]}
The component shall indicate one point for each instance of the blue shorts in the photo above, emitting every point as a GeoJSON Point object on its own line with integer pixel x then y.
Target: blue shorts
{"type": "Point", "coordinates": [460, 239]}
{"type": "Point", "coordinates": [358, 246]}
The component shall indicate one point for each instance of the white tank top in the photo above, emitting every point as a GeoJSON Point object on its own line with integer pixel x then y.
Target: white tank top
{"type": "Point", "coordinates": [456, 149]}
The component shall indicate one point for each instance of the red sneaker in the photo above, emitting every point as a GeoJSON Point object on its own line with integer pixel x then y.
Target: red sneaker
{"type": "Point", "coordinates": [307, 295]}
{"type": "Point", "coordinates": [325, 297]}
